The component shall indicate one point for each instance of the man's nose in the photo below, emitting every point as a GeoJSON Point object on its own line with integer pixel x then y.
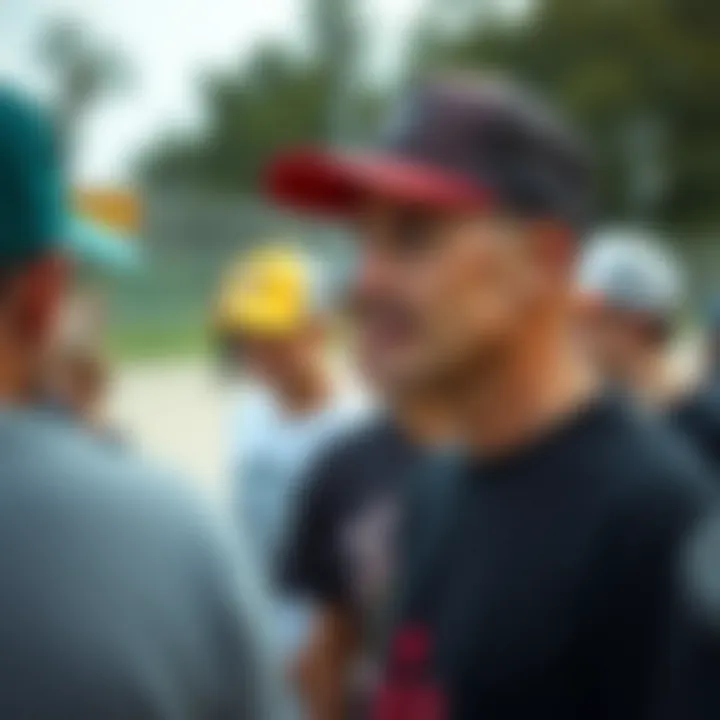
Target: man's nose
{"type": "Point", "coordinates": [373, 275]}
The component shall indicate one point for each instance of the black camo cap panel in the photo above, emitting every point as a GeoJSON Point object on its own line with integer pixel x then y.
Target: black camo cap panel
{"type": "Point", "coordinates": [501, 139]}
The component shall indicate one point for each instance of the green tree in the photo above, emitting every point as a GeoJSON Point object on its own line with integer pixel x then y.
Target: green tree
{"type": "Point", "coordinates": [82, 69]}
{"type": "Point", "coordinates": [334, 28]}
{"type": "Point", "coordinates": [278, 99]}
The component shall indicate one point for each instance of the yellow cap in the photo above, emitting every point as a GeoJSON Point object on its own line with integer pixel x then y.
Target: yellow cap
{"type": "Point", "coordinates": [268, 293]}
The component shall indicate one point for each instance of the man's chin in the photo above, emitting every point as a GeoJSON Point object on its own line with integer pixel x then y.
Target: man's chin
{"type": "Point", "coordinates": [407, 379]}
{"type": "Point", "coordinates": [450, 377]}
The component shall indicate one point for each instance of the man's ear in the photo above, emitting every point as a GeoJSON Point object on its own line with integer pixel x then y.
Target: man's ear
{"type": "Point", "coordinates": [39, 290]}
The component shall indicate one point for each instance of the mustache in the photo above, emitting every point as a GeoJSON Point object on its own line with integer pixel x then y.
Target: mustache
{"type": "Point", "coordinates": [364, 308]}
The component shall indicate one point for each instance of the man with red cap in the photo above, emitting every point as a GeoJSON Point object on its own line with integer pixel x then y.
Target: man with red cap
{"type": "Point", "coordinates": [562, 571]}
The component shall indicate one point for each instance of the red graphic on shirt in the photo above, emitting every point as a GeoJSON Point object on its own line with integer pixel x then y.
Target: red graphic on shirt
{"type": "Point", "coordinates": [409, 691]}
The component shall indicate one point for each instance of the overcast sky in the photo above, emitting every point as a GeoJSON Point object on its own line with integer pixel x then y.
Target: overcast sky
{"type": "Point", "coordinates": [168, 42]}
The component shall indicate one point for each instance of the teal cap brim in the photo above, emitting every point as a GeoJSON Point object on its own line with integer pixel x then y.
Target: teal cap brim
{"type": "Point", "coordinates": [98, 248]}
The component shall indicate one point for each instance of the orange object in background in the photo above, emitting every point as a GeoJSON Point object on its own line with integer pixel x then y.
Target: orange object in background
{"type": "Point", "coordinates": [114, 208]}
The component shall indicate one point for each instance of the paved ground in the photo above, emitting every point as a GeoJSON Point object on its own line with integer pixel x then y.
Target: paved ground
{"type": "Point", "coordinates": [173, 411]}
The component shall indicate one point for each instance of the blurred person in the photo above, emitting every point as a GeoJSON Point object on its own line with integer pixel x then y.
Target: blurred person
{"type": "Point", "coordinates": [76, 376]}
{"type": "Point", "coordinates": [79, 384]}
{"type": "Point", "coordinates": [634, 292]}
{"type": "Point", "coordinates": [544, 578]}
{"type": "Point", "coordinates": [275, 309]}
{"type": "Point", "coordinates": [77, 371]}
{"type": "Point", "coordinates": [122, 595]}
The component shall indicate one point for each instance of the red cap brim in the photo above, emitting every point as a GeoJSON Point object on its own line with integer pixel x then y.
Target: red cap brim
{"type": "Point", "coordinates": [333, 184]}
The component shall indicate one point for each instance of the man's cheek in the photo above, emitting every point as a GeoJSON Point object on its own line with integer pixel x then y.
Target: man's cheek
{"type": "Point", "coordinates": [431, 300]}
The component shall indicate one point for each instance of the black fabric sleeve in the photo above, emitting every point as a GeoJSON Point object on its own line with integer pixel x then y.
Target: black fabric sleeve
{"type": "Point", "coordinates": [686, 678]}
{"type": "Point", "coordinates": [660, 651]}
{"type": "Point", "coordinates": [312, 559]}
{"type": "Point", "coordinates": [643, 650]}
{"type": "Point", "coordinates": [698, 419]}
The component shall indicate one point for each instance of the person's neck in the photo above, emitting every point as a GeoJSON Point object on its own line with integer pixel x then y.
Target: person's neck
{"type": "Point", "coordinates": [309, 392]}
{"type": "Point", "coordinates": [15, 387]}
{"type": "Point", "coordinates": [541, 380]}
{"type": "Point", "coordinates": [424, 419]}
{"type": "Point", "coordinates": [94, 417]}
{"type": "Point", "coordinates": [650, 378]}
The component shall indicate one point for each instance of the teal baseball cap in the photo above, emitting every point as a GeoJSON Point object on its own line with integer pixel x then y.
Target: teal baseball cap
{"type": "Point", "coordinates": [35, 215]}
{"type": "Point", "coordinates": [101, 249]}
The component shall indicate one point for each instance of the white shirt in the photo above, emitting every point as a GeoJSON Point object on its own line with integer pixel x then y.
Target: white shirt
{"type": "Point", "coordinates": [272, 451]}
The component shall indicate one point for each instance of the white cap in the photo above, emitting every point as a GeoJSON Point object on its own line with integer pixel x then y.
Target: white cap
{"type": "Point", "coordinates": [630, 269]}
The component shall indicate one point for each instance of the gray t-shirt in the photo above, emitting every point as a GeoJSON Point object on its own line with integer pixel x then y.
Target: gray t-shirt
{"type": "Point", "coordinates": [121, 595]}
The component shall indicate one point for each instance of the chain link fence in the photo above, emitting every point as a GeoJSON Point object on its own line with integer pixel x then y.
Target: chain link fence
{"type": "Point", "coordinates": [189, 239]}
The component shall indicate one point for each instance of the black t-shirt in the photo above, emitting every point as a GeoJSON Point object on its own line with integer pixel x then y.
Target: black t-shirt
{"type": "Point", "coordinates": [342, 551]}
{"type": "Point", "coordinates": [339, 551]}
{"type": "Point", "coordinates": [697, 417]}
{"type": "Point", "coordinates": [558, 589]}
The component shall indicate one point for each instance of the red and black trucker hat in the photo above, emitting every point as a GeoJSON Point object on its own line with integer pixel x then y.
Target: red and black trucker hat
{"type": "Point", "coordinates": [454, 144]}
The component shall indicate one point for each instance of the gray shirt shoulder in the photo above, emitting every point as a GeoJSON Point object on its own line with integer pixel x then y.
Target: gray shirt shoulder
{"type": "Point", "coordinates": [123, 594]}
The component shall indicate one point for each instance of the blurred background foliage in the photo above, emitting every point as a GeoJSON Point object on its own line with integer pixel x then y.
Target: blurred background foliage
{"type": "Point", "coordinates": [640, 79]}
{"type": "Point", "coordinates": [82, 70]}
